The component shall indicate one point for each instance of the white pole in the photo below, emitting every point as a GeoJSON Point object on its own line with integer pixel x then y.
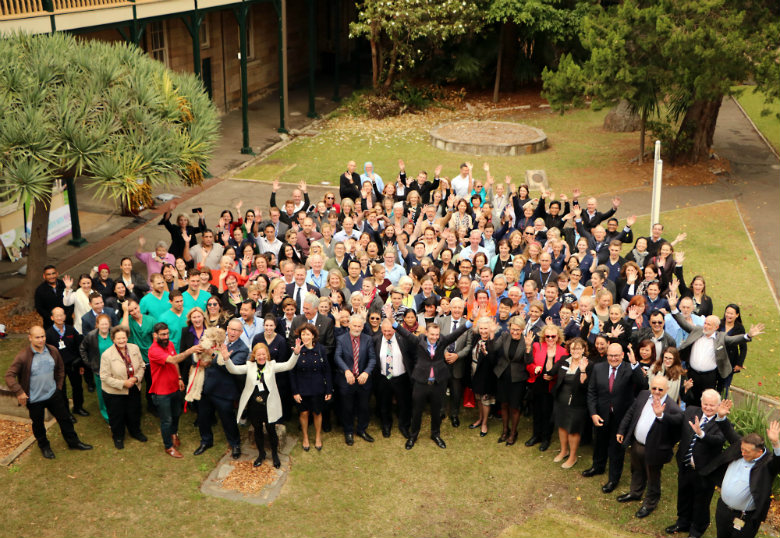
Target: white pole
{"type": "Point", "coordinates": [655, 208]}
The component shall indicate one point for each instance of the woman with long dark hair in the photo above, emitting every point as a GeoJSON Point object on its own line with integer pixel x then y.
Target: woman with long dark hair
{"type": "Point", "coordinates": [731, 324]}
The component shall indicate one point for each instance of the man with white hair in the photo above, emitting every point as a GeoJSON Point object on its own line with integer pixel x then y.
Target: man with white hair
{"type": "Point", "coordinates": [317, 276]}
{"type": "Point", "coordinates": [355, 359]}
{"type": "Point", "coordinates": [391, 379]}
{"type": "Point", "coordinates": [468, 253]}
{"type": "Point", "coordinates": [455, 356]}
{"type": "Point", "coordinates": [701, 441]}
{"type": "Point", "coordinates": [591, 216]}
{"type": "Point", "coordinates": [705, 349]}
{"type": "Point", "coordinates": [673, 328]}
{"type": "Point", "coordinates": [347, 231]}
{"type": "Point", "coordinates": [651, 426]}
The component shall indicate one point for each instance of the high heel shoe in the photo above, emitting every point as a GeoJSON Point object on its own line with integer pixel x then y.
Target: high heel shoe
{"type": "Point", "coordinates": [306, 448]}
{"type": "Point", "coordinates": [560, 457]}
{"type": "Point", "coordinates": [483, 434]}
{"type": "Point", "coordinates": [319, 448]}
{"type": "Point", "coordinates": [512, 440]}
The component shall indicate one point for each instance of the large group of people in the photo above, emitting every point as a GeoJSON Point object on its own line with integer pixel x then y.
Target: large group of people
{"type": "Point", "coordinates": [411, 294]}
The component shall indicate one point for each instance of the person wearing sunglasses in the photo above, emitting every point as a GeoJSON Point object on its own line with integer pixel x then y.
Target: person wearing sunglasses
{"type": "Point", "coordinates": [655, 332]}
{"type": "Point", "coordinates": [651, 426]}
{"type": "Point", "coordinates": [540, 357]}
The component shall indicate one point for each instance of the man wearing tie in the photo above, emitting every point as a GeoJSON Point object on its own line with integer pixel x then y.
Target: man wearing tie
{"type": "Point", "coordinates": [89, 319]}
{"type": "Point", "coordinates": [610, 393]}
{"type": "Point", "coordinates": [651, 426]}
{"type": "Point", "coordinates": [355, 360]}
{"type": "Point", "coordinates": [391, 379]}
{"type": "Point", "coordinates": [456, 357]}
{"type": "Point", "coordinates": [299, 288]}
{"type": "Point", "coordinates": [429, 376]}
{"type": "Point", "coordinates": [700, 443]}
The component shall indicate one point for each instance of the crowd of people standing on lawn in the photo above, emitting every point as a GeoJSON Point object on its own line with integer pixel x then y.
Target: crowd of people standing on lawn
{"type": "Point", "coordinates": [418, 292]}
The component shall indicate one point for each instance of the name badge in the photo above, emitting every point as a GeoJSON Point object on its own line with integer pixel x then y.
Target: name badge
{"type": "Point", "coordinates": [62, 344]}
{"type": "Point", "coordinates": [738, 523]}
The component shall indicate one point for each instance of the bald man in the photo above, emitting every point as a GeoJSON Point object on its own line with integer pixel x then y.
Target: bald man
{"type": "Point", "coordinates": [705, 349]}
{"type": "Point", "coordinates": [610, 393]}
{"type": "Point", "coordinates": [349, 182]}
{"type": "Point", "coordinates": [36, 376]}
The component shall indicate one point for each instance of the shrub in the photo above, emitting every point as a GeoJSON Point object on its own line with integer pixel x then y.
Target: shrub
{"type": "Point", "coordinates": [749, 417]}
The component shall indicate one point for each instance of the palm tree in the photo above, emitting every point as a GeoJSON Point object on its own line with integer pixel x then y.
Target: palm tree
{"type": "Point", "coordinates": [101, 113]}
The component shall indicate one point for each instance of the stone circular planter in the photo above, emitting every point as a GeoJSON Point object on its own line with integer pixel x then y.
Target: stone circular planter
{"type": "Point", "coordinates": [488, 138]}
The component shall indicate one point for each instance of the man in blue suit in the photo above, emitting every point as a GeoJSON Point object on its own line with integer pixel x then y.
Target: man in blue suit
{"type": "Point", "coordinates": [355, 360]}
{"type": "Point", "coordinates": [219, 391]}
{"type": "Point", "coordinates": [89, 320]}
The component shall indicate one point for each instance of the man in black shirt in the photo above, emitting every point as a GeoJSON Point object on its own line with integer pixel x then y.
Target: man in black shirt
{"type": "Point", "coordinates": [48, 296]}
{"type": "Point", "coordinates": [66, 340]}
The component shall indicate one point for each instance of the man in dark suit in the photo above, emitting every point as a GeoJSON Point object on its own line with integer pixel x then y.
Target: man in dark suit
{"type": "Point", "coordinates": [67, 340]}
{"type": "Point", "coordinates": [349, 183]}
{"type": "Point", "coordinates": [705, 349]}
{"type": "Point", "coordinates": [391, 378]}
{"type": "Point", "coordinates": [591, 216]}
{"type": "Point", "coordinates": [429, 376]}
{"type": "Point", "coordinates": [655, 332]}
{"type": "Point", "coordinates": [741, 510]}
{"type": "Point", "coordinates": [456, 357]}
{"type": "Point", "coordinates": [89, 319]}
{"type": "Point", "coordinates": [701, 441]}
{"type": "Point", "coordinates": [299, 288]}
{"type": "Point", "coordinates": [219, 392]}
{"type": "Point", "coordinates": [610, 393]}
{"type": "Point", "coordinates": [355, 359]}
{"type": "Point", "coordinates": [544, 274]}
{"type": "Point", "coordinates": [651, 426]}
{"type": "Point", "coordinates": [49, 295]}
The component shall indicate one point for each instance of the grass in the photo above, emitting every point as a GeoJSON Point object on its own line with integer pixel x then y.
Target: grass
{"type": "Point", "coordinates": [752, 101]}
{"type": "Point", "coordinates": [580, 152]}
{"type": "Point", "coordinates": [473, 488]}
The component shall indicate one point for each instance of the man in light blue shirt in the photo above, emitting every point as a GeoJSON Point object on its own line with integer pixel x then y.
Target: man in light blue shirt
{"type": "Point", "coordinates": [673, 328]}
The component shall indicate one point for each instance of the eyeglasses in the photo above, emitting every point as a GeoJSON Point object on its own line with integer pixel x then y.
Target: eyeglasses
{"type": "Point", "coordinates": [372, 318]}
{"type": "Point", "coordinates": [656, 323]}
{"type": "Point", "coordinates": [550, 336]}
{"type": "Point", "coordinates": [528, 233]}
{"type": "Point", "coordinates": [657, 389]}
{"type": "Point", "coordinates": [668, 357]}
{"type": "Point", "coordinates": [330, 197]}
{"type": "Point", "coordinates": [212, 304]}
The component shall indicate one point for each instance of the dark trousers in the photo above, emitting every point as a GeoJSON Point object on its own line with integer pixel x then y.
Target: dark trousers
{"type": "Point", "coordinates": [285, 394]}
{"type": "Point", "coordinates": [77, 390]}
{"type": "Point", "coordinates": [423, 393]}
{"type": "Point", "coordinates": [724, 522]}
{"type": "Point", "coordinates": [456, 396]}
{"type": "Point", "coordinates": [542, 409]}
{"type": "Point", "coordinates": [399, 387]}
{"type": "Point", "coordinates": [169, 407]}
{"type": "Point", "coordinates": [701, 382]}
{"type": "Point", "coordinates": [605, 446]}
{"type": "Point", "coordinates": [354, 402]}
{"type": "Point", "coordinates": [694, 493]}
{"type": "Point", "coordinates": [150, 405]}
{"type": "Point", "coordinates": [209, 403]}
{"type": "Point", "coordinates": [124, 411]}
{"type": "Point", "coordinates": [723, 384]}
{"type": "Point", "coordinates": [257, 413]}
{"type": "Point", "coordinates": [644, 476]}
{"type": "Point", "coordinates": [89, 378]}
{"type": "Point", "coordinates": [58, 407]}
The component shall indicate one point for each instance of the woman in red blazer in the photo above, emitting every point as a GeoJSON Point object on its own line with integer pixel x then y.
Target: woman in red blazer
{"type": "Point", "coordinates": [539, 360]}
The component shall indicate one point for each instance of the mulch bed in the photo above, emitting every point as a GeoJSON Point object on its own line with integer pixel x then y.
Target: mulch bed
{"type": "Point", "coordinates": [12, 434]}
{"type": "Point", "coordinates": [773, 517]}
{"type": "Point", "coordinates": [245, 478]}
{"type": "Point", "coordinates": [17, 323]}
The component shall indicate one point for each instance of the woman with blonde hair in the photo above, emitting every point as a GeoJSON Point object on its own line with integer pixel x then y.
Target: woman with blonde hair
{"type": "Point", "coordinates": [540, 357]}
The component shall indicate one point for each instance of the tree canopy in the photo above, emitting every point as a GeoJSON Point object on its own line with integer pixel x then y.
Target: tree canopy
{"type": "Point", "coordinates": [103, 113]}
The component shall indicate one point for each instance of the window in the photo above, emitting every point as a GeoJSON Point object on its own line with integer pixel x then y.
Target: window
{"type": "Point", "coordinates": [250, 36]}
{"type": "Point", "coordinates": [205, 33]}
{"type": "Point", "coordinates": [156, 44]}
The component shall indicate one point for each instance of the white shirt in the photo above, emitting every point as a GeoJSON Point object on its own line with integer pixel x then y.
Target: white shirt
{"type": "Point", "coordinates": [703, 354]}
{"type": "Point", "coordinates": [469, 253]}
{"type": "Point", "coordinates": [264, 245]}
{"type": "Point", "coordinates": [397, 362]}
{"type": "Point", "coordinates": [646, 420]}
{"type": "Point", "coordinates": [342, 236]}
{"type": "Point", "coordinates": [460, 185]}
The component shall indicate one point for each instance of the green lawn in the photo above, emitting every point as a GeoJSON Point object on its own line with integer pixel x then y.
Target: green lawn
{"type": "Point", "coordinates": [769, 125]}
{"type": "Point", "coordinates": [473, 488]}
{"type": "Point", "coordinates": [580, 152]}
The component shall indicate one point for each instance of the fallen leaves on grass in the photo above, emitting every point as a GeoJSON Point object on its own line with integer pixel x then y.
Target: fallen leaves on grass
{"type": "Point", "coordinates": [12, 434]}
{"type": "Point", "coordinates": [17, 323]}
{"type": "Point", "coordinates": [245, 478]}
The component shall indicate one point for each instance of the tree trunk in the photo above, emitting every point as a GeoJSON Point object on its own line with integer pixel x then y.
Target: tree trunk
{"type": "Point", "coordinates": [374, 64]}
{"type": "Point", "coordinates": [694, 138]}
{"type": "Point", "coordinates": [36, 257]}
{"type": "Point", "coordinates": [391, 70]}
{"type": "Point", "coordinates": [497, 84]}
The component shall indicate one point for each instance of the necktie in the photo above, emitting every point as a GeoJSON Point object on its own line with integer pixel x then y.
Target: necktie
{"type": "Point", "coordinates": [688, 459]}
{"type": "Point", "coordinates": [355, 354]}
{"type": "Point", "coordinates": [432, 351]}
{"type": "Point", "coordinates": [611, 377]}
{"type": "Point", "coordinates": [389, 360]}
{"type": "Point", "coordinates": [451, 349]}
{"type": "Point", "coordinates": [298, 300]}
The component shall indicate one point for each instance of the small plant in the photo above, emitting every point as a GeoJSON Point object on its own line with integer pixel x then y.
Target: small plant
{"type": "Point", "coordinates": [748, 417]}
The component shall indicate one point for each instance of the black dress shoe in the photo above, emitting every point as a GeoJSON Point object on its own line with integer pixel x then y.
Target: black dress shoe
{"type": "Point", "coordinates": [349, 439]}
{"type": "Point", "coordinates": [532, 441]}
{"type": "Point", "coordinates": [119, 444]}
{"type": "Point", "coordinates": [366, 437]}
{"type": "Point", "coordinates": [140, 437]}
{"type": "Point", "coordinates": [592, 471]}
{"type": "Point", "coordinates": [386, 432]}
{"type": "Point", "coordinates": [544, 446]}
{"type": "Point", "coordinates": [275, 460]}
{"type": "Point", "coordinates": [80, 446]}
{"type": "Point", "coordinates": [73, 419]}
{"type": "Point", "coordinates": [410, 442]}
{"type": "Point", "coordinates": [643, 512]}
{"type": "Point", "coordinates": [672, 529]}
{"type": "Point", "coordinates": [609, 487]}
{"type": "Point", "coordinates": [482, 434]}
{"type": "Point", "coordinates": [81, 412]}
{"type": "Point", "coordinates": [405, 432]}
{"type": "Point", "coordinates": [201, 449]}
{"type": "Point", "coordinates": [235, 452]}
{"type": "Point", "coordinates": [439, 441]}
{"type": "Point", "coordinates": [259, 460]}
{"type": "Point", "coordinates": [48, 453]}
{"type": "Point", "coordinates": [627, 498]}
{"type": "Point", "coordinates": [455, 421]}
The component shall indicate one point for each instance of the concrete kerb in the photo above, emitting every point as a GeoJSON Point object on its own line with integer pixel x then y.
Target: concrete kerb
{"type": "Point", "coordinates": [756, 129]}
{"type": "Point", "coordinates": [29, 440]}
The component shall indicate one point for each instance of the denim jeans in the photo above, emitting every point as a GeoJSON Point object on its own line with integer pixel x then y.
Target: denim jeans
{"type": "Point", "coordinates": [169, 408]}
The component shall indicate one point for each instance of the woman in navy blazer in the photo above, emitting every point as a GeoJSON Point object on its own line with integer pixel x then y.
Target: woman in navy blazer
{"type": "Point", "coordinates": [311, 382]}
